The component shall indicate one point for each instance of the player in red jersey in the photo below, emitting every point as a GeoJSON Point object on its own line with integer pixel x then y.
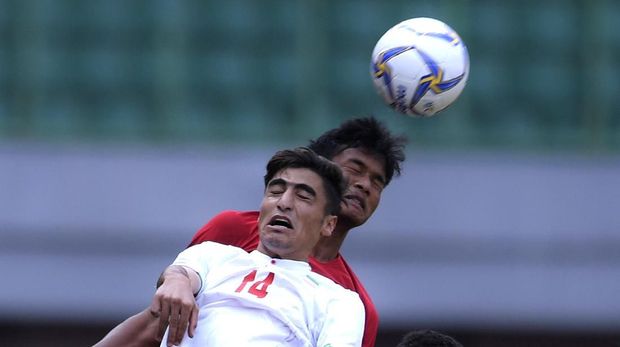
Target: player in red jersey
{"type": "Point", "coordinates": [369, 156]}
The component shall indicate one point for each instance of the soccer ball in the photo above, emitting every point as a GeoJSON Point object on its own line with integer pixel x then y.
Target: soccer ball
{"type": "Point", "coordinates": [420, 66]}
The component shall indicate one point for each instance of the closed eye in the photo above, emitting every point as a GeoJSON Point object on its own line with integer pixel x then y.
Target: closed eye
{"type": "Point", "coordinates": [276, 187]}
{"type": "Point", "coordinates": [354, 170]}
{"type": "Point", "coordinates": [305, 191]}
{"type": "Point", "coordinates": [275, 191]}
{"type": "Point", "coordinates": [304, 196]}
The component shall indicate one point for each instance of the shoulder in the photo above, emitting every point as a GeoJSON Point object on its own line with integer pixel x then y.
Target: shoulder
{"type": "Point", "coordinates": [211, 247]}
{"type": "Point", "coordinates": [233, 218]}
{"type": "Point", "coordinates": [237, 228]}
{"type": "Point", "coordinates": [331, 289]}
{"type": "Point", "coordinates": [209, 253]}
{"type": "Point", "coordinates": [337, 270]}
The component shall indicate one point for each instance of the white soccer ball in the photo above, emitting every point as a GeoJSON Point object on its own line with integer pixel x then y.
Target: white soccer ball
{"type": "Point", "coordinates": [420, 66]}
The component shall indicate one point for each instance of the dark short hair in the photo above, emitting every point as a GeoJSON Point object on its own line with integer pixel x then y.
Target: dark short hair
{"type": "Point", "coordinates": [305, 158]}
{"type": "Point", "coordinates": [367, 134]}
{"type": "Point", "coordinates": [427, 338]}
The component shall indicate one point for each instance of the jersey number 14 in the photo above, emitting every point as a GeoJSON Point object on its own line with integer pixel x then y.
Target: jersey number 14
{"type": "Point", "coordinates": [258, 288]}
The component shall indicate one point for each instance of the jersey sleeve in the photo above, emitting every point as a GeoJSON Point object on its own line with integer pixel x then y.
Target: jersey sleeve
{"type": "Point", "coordinates": [195, 258]}
{"type": "Point", "coordinates": [344, 322]}
{"type": "Point", "coordinates": [203, 257]}
{"type": "Point", "coordinates": [232, 228]}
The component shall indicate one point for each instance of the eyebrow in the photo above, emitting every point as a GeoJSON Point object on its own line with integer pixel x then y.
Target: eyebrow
{"type": "Point", "coordinates": [301, 186]}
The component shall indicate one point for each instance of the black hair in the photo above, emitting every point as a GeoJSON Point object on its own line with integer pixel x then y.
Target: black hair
{"type": "Point", "coordinates": [367, 134]}
{"type": "Point", "coordinates": [305, 158]}
{"type": "Point", "coordinates": [427, 338]}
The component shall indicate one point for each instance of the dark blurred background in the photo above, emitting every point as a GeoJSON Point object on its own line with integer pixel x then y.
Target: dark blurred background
{"type": "Point", "coordinates": [126, 125]}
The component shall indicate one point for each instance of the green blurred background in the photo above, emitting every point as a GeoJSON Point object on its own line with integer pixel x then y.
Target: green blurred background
{"type": "Point", "coordinates": [544, 75]}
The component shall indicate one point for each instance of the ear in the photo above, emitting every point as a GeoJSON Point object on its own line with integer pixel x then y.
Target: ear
{"type": "Point", "coordinates": [329, 224]}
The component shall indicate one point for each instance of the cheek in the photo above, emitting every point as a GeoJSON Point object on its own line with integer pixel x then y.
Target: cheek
{"type": "Point", "coordinates": [264, 211]}
{"type": "Point", "coordinates": [266, 204]}
{"type": "Point", "coordinates": [312, 229]}
{"type": "Point", "coordinates": [374, 201]}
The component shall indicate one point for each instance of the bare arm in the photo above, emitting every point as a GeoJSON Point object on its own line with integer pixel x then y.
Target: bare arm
{"type": "Point", "coordinates": [175, 304]}
{"type": "Point", "coordinates": [139, 330]}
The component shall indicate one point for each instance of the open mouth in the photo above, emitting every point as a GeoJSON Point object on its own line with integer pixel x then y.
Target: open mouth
{"type": "Point", "coordinates": [280, 221]}
{"type": "Point", "coordinates": [354, 199]}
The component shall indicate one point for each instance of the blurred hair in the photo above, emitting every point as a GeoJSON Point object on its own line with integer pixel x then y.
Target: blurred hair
{"type": "Point", "coordinates": [427, 338]}
{"type": "Point", "coordinates": [367, 134]}
{"type": "Point", "coordinates": [305, 158]}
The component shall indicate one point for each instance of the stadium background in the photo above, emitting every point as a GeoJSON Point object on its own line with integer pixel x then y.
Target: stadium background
{"type": "Point", "coordinates": [125, 125]}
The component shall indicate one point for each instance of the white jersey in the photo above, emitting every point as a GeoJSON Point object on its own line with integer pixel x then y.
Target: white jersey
{"type": "Point", "coordinates": [250, 299]}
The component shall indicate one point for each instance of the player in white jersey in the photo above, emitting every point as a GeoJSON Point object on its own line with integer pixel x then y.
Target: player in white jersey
{"type": "Point", "coordinates": [268, 297]}
{"type": "Point", "coordinates": [251, 299]}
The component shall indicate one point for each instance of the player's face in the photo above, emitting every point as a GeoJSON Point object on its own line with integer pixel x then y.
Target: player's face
{"type": "Point", "coordinates": [292, 214]}
{"type": "Point", "coordinates": [365, 175]}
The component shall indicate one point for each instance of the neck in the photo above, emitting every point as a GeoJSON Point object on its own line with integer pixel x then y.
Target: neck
{"type": "Point", "coordinates": [328, 247]}
{"type": "Point", "coordinates": [279, 255]}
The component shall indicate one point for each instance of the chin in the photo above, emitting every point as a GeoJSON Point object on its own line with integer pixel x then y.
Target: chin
{"type": "Point", "coordinates": [351, 220]}
{"type": "Point", "coordinates": [355, 213]}
{"type": "Point", "coordinates": [275, 245]}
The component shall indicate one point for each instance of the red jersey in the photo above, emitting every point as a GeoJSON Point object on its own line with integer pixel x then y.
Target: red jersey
{"type": "Point", "coordinates": [240, 228]}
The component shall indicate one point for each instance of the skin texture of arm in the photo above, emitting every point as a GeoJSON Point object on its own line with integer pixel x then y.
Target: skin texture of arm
{"type": "Point", "coordinates": [175, 303]}
{"type": "Point", "coordinates": [139, 330]}
{"type": "Point", "coordinates": [172, 304]}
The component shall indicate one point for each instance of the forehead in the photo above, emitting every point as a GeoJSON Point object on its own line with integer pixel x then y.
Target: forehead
{"type": "Point", "coordinates": [295, 176]}
{"type": "Point", "coordinates": [371, 160]}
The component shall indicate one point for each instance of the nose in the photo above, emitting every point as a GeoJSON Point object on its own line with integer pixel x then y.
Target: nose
{"type": "Point", "coordinates": [362, 183]}
{"type": "Point", "coordinates": [285, 202]}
